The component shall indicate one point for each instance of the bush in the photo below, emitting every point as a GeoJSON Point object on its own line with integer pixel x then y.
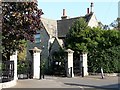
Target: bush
{"type": "Point", "coordinates": [58, 63]}
{"type": "Point", "coordinates": [108, 59]}
{"type": "Point", "coordinates": [23, 67]}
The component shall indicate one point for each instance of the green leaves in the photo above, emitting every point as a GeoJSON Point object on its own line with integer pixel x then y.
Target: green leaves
{"type": "Point", "coordinates": [23, 67]}
{"type": "Point", "coordinates": [76, 35]}
{"type": "Point", "coordinates": [22, 50]}
{"type": "Point", "coordinates": [116, 24]}
{"type": "Point", "coordinates": [103, 46]}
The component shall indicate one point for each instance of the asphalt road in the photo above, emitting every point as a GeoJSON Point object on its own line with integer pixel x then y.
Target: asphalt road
{"type": "Point", "coordinates": [92, 82]}
{"type": "Point", "coordinates": [76, 82]}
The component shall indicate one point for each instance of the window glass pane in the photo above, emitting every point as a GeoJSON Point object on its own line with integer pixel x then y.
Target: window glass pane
{"type": "Point", "coordinates": [37, 38]}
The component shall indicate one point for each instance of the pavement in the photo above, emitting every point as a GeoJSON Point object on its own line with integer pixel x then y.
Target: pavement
{"type": "Point", "coordinates": [75, 82]}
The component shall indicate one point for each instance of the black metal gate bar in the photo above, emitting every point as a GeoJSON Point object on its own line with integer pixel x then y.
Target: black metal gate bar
{"type": "Point", "coordinates": [7, 71]}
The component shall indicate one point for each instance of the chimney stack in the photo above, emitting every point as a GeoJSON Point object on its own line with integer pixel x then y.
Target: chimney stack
{"type": "Point", "coordinates": [88, 11]}
{"type": "Point", "coordinates": [63, 12]}
{"type": "Point", "coordinates": [91, 7]}
{"type": "Point", "coordinates": [64, 16]}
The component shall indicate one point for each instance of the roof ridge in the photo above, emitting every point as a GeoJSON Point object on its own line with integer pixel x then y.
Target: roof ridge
{"type": "Point", "coordinates": [48, 19]}
{"type": "Point", "coordinates": [78, 17]}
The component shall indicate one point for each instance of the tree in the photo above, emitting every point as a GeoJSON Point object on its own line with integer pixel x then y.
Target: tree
{"type": "Point", "coordinates": [106, 51]}
{"type": "Point", "coordinates": [74, 37]}
{"type": "Point", "coordinates": [82, 38]}
{"type": "Point", "coordinates": [116, 24]}
{"type": "Point", "coordinates": [58, 62]}
{"type": "Point", "coordinates": [106, 27]}
{"type": "Point", "coordinates": [101, 25]}
{"type": "Point", "coordinates": [103, 46]}
{"type": "Point", "coordinates": [20, 22]}
{"type": "Point", "coordinates": [22, 53]}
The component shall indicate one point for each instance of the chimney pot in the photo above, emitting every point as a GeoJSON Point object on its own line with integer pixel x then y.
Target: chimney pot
{"type": "Point", "coordinates": [64, 16]}
{"type": "Point", "coordinates": [63, 12]}
{"type": "Point", "coordinates": [87, 10]}
{"type": "Point", "coordinates": [91, 4]}
{"type": "Point", "coordinates": [91, 7]}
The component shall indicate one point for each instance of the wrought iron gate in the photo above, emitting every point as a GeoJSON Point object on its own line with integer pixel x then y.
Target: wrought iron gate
{"type": "Point", "coordinates": [7, 71]}
{"type": "Point", "coordinates": [25, 69]}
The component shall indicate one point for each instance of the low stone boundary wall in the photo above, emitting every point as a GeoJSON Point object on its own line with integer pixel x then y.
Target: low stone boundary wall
{"type": "Point", "coordinates": [106, 74]}
{"type": "Point", "coordinates": [8, 84]}
{"type": "Point", "coordinates": [23, 76]}
{"type": "Point", "coordinates": [111, 74]}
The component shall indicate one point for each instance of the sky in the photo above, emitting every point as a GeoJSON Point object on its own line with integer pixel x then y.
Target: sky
{"type": "Point", "coordinates": [106, 12]}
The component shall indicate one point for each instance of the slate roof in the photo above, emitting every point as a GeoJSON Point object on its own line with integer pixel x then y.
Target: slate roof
{"type": "Point", "coordinates": [63, 26]}
{"type": "Point", "coordinates": [50, 26]}
{"type": "Point", "coordinates": [59, 28]}
{"type": "Point", "coordinates": [60, 42]}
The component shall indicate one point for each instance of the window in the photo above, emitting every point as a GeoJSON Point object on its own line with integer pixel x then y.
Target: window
{"type": "Point", "coordinates": [37, 38]}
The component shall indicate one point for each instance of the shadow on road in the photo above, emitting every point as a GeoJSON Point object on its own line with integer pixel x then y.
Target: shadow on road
{"type": "Point", "coordinates": [107, 87]}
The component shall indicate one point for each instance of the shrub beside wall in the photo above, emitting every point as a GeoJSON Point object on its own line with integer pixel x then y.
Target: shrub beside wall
{"type": "Point", "coordinates": [57, 66]}
{"type": "Point", "coordinates": [108, 59]}
{"type": "Point", "coordinates": [23, 67]}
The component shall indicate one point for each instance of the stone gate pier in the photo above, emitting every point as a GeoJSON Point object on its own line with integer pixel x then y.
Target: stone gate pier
{"type": "Point", "coordinates": [83, 61]}
{"type": "Point", "coordinates": [70, 63]}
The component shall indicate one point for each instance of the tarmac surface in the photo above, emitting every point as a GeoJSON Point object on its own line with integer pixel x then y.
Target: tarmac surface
{"type": "Point", "coordinates": [111, 82]}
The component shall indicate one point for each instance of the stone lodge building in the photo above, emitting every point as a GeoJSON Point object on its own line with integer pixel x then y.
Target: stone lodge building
{"type": "Point", "coordinates": [53, 32]}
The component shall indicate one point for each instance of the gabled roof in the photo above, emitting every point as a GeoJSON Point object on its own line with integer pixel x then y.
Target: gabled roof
{"type": "Point", "coordinates": [60, 42]}
{"type": "Point", "coordinates": [59, 28]}
{"type": "Point", "coordinates": [63, 26]}
{"type": "Point", "coordinates": [50, 26]}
